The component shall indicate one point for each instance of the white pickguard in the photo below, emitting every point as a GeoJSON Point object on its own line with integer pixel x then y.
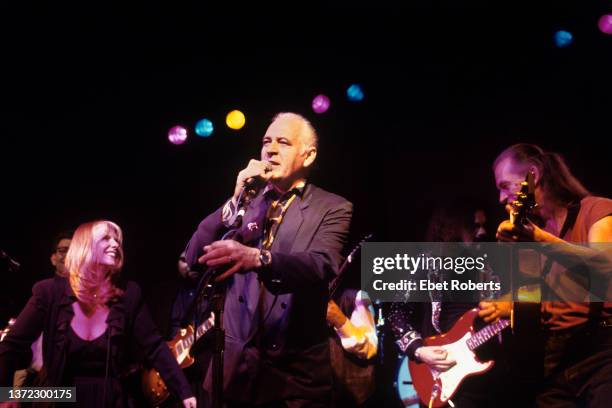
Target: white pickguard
{"type": "Point", "coordinates": [181, 353]}
{"type": "Point", "coordinates": [466, 364]}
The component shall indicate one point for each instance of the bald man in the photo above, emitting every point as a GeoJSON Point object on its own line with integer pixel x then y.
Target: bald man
{"type": "Point", "coordinates": [292, 235]}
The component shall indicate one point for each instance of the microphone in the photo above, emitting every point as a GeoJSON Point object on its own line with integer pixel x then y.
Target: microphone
{"type": "Point", "coordinates": [250, 190]}
{"type": "Point", "coordinates": [251, 187]}
{"type": "Point", "coordinates": [13, 265]}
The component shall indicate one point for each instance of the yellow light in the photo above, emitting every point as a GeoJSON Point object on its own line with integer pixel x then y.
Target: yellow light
{"type": "Point", "coordinates": [235, 120]}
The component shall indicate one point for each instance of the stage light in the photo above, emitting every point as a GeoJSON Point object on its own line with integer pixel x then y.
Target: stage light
{"type": "Point", "coordinates": [235, 120]}
{"type": "Point", "coordinates": [320, 103]}
{"type": "Point", "coordinates": [204, 127]}
{"type": "Point", "coordinates": [177, 135]}
{"type": "Point", "coordinates": [605, 24]}
{"type": "Point", "coordinates": [354, 93]}
{"type": "Point", "coordinates": [563, 38]}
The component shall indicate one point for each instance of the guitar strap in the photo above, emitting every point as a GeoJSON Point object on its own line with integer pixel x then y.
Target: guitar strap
{"type": "Point", "coordinates": [572, 213]}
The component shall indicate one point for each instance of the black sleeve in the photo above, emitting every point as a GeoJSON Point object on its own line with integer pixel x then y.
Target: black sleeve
{"type": "Point", "coordinates": [209, 230]}
{"type": "Point", "coordinates": [402, 319]}
{"type": "Point", "coordinates": [155, 348]}
{"type": "Point", "coordinates": [15, 351]}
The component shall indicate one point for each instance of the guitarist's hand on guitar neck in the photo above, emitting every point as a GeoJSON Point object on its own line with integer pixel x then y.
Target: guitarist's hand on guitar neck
{"type": "Point", "coordinates": [354, 338]}
{"type": "Point", "coordinates": [519, 228]}
{"type": "Point", "coordinates": [509, 232]}
{"type": "Point", "coordinates": [493, 311]}
{"type": "Point", "coordinates": [342, 324]}
{"type": "Point", "coordinates": [435, 357]}
{"type": "Point", "coordinates": [335, 317]}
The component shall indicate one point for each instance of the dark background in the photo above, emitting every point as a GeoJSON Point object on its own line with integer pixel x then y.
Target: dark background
{"type": "Point", "coordinates": [89, 91]}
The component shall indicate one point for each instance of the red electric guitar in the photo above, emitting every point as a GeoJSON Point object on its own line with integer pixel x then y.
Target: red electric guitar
{"type": "Point", "coordinates": [435, 388]}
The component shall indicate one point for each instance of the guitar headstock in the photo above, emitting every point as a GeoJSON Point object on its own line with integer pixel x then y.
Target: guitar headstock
{"type": "Point", "coordinates": [349, 259]}
{"type": "Point", "coordinates": [7, 329]}
{"type": "Point", "coordinates": [525, 202]}
{"type": "Point", "coordinates": [357, 248]}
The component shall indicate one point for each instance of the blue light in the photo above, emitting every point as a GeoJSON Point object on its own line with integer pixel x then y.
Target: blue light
{"type": "Point", "coordinates": [563, 38]}
{"type": "Point", "coordinates": [354, 93]}
{"type": "Point", "coordinates": [204, 128]}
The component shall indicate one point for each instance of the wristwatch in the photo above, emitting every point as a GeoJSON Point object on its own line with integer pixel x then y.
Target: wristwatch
{"type": "Point", "coordinates": [265, 257]}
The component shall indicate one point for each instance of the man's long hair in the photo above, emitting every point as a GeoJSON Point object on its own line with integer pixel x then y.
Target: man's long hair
{"type": "Point", "coordinates": [91, 283]}
{"type": "Point", "coordinates": [556, 179]}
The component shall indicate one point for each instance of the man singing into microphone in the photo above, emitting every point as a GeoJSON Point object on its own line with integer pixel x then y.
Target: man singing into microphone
{"type": "Point", "coordinates": [292, 234]}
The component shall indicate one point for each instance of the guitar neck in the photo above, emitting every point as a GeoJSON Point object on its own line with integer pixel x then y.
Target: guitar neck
{"type": "Point", "coordinates": [188, 341]}
{"type": "Point", "coordinates": [486, 333]}
{"type": "Point", "coordinates": [349, 259]}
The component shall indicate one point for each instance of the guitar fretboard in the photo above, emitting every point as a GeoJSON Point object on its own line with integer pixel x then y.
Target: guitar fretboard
{"type": "Point", "coordinates": [186, 343]}
{"type": "Point", "coordinates": [483, 335]}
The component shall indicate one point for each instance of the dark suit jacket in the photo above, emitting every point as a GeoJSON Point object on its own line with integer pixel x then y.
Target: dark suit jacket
{"type": "Point", "coordinates": [280, 350]}
{"type": "Point", "coordinates": [130, 326]}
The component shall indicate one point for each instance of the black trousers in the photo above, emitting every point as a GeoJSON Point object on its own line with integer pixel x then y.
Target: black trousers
{"type": "Point", "coordinates": [577, 368]}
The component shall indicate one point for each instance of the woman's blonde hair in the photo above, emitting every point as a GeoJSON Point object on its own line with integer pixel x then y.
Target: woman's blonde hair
{"type": "Point", "coordinates": [90, 283]}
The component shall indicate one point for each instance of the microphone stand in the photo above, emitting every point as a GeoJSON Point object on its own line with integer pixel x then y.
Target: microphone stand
{"type": "Point", "coordinates": [217, 298]}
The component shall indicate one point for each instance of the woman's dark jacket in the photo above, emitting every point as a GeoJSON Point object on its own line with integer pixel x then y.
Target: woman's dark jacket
{"type": "Point", "coordinates": [130, 327]}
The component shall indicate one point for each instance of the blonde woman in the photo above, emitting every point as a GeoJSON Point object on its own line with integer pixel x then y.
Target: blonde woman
{"type": "Point", "coordinates": [93, 322]}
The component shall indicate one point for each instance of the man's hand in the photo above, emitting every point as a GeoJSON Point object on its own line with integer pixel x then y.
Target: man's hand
{"type": "Point", "coordinates": [508, 232]}
{"type": "Point", "coordinates": [492, 311]}
{"type": "Point", "coordinates": [185, 271]}
{"type": "Point", "coordinates": [435, 357]}
{"type": "Point", "coordinates": [236, 256]}
{"type": "Point", "coordinates": [189, 402]}
{"type": "Point", "coordinates": [334, 315]}
{"type": "Point", "coordinates": [255, 168]}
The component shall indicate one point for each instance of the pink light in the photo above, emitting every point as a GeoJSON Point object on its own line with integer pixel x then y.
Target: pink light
{"type": "Point", "coordinates": [320, 103]}
{"type": "Point", "coordinates": [605, 24]}
{"type": "Point", "coordinates": [177, 135]}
